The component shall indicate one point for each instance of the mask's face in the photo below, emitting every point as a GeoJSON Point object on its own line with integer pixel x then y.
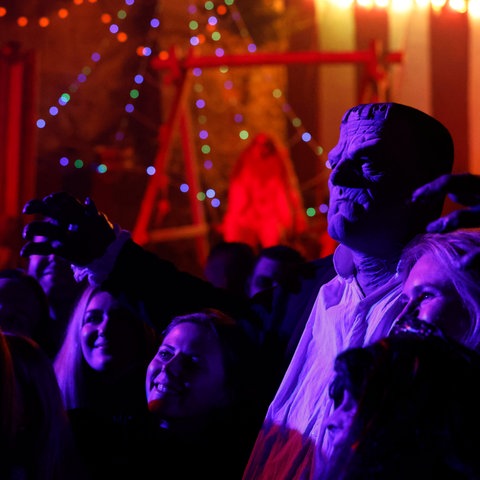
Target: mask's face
{"type": "Point", "coordinates": [186, 377]}
{"type": "Point", "coordinates": [430, 295]}
{"type": "Point", "coordinates": [369, 186]}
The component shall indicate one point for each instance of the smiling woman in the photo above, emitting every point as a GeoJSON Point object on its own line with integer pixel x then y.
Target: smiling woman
{"type": "Point", "coordinates": [202, 394]}
{"type": "Point", "coordinates": [436, 289]}
{"type": "Point", "coordinates": [100, 369]}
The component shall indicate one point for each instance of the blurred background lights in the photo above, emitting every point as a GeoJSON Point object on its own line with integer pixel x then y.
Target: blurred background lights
{"type": "Point", "coordinates": [323, 208]}
{"type": "Point", "coordinates": [277, 93]}
{"type": "Point", "coordinates": [208, 29]}
{"type": "Point", "coordinates": [64, 99]}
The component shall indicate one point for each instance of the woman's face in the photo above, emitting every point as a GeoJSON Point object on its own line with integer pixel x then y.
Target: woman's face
{"type": "Point", "coordinates": [110, 334]}
{"type": "Point", "coordinates": [430, 293]}
{"type": "Point", "coordinates": [339, 421]}
{"type": "Point", "coordinates": [186, 377]}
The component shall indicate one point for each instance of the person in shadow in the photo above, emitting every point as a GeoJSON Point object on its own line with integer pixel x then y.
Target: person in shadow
{"type": "Point", "coordinates": [405, 407]}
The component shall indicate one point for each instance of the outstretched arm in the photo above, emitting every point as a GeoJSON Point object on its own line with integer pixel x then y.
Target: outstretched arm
{"type": "Point", "coordinates": [106, 254]}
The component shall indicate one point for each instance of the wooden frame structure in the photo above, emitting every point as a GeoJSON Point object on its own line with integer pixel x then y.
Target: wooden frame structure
{"type": "Point", "coordinates": [375, 82]}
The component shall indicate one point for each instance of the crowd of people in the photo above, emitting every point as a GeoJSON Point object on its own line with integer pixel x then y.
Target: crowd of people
{"type": "Point", "coordinates": [359, 365]}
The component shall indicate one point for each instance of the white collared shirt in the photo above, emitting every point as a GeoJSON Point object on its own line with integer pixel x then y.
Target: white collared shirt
{"type": "Point", "coordinates": [342, 317]}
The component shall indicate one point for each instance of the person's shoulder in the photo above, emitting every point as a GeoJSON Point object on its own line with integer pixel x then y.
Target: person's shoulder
{"type": "Point", "coordinates": [324, 262]}
{"type": "Point", "coordinates": [321, 269]}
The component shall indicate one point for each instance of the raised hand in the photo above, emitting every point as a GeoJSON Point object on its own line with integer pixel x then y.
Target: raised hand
{"type": "Point", "coordinates": [75, 231]}
{"type": "Point", "coordinates": [461, 188]}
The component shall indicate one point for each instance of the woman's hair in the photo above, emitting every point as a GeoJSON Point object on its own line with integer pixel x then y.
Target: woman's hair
{"type": "Point", "coordinates": [43, 441]}
{"type": "Point", "coordinates": [71, 369]}
{"type": "Point", "coordinates": [417, 414]}
{"type": "Point", "coordinates": [239, 353]}
{"type": "Point", "coordinates": [447, 249]}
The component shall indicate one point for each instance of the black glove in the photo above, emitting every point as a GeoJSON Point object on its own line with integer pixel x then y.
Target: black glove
{"type": "Point", "coordinates": [72, 230]}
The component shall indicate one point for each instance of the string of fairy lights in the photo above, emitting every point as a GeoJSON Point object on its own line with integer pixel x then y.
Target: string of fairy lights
{"type": "Point", "coordinates": [210, 30]}
{"type": "Point", "coordinates": [205, 25]}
